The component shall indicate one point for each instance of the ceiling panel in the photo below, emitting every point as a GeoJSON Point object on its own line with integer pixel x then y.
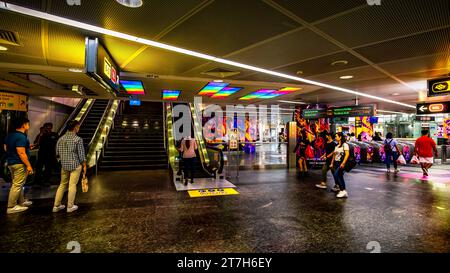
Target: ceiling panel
{"type": "Point", "coordinates": [159, 61]}
{"type": "Point", "coordinates": [28, 31]}
{"type": "Point", "coordinates": [323, 65]}
{"type": "Point", "coordinates": [436, 63]}
{"type": "Point", "coordinates": [225, 26]}
{"type": "Point", "coordinates": [359, 73]}
{"type": "Point", "coordinates": [391, 19]}
{"type": "Point", "coordinates": [313, 10]}
{"type": "Point", "coordinates": [66, 47]}
{"type": "Point", "coordinates": [299, 45]}
{"type": "Point", "coordinates": [423, 44]}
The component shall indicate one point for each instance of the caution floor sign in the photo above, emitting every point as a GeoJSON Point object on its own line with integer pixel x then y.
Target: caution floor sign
{"type": "Point", "coordinates": [212, 192]}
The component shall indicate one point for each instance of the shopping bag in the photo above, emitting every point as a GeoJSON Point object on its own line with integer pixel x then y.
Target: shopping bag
{"type": "Point", "coordinates": [414, 160]}
{"type": "Point", "coordinates": [401, 160]}
{"type": "Point", "coordinates": [84, 184]}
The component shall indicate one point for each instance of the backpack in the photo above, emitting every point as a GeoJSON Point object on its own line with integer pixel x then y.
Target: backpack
{"type": "Point", "coordinates": [387, 147]}
{"type": "Point", "coordinates": [351, 161]}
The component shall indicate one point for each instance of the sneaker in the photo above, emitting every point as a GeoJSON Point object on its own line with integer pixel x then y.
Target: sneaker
{"type": "Point", "coordinates": [72, 209]}
{"type": "Point", "coordinates": [60, 207]}
{"type": "Point", "coordinates": [388, 171]}
{"type": "Point", "coordinates": [321, 185]}
{"type": "Point", "coordinates": [396, 171]}
{"type": "Point", "coordinates": [16, 209]}
{"type": "Point", "coordinates": [342, 194]}
{"type": "Point", "coordinates": [192, 181]}
{"type": "Point", "coordinates": [336, 188]}
{"type": "Point", "coordinates": [27, 203]}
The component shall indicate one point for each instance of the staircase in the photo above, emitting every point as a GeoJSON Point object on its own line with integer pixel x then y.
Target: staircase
{"type": "Point", "coordinates": [136, 142]}
{"type": "Point", "coordinates": [92, 121]}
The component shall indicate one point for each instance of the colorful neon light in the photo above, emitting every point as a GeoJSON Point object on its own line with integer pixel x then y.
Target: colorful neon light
{"type": "Point", "coordinates": [133, 87]}
{"type": "Point", "coordinates": [225, 92]}
{"type": "Point", "coordinates": [170, 94]}
{"type": "Point", "coordinates": [212, 88]}
{"type": "Point", "coordinates": [269, 93]}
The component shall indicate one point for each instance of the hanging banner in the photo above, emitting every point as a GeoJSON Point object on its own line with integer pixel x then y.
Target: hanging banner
{"type": "Point", "coordinates": [446, 128]}
{"type": "Point", "coordinates": [13, 102]}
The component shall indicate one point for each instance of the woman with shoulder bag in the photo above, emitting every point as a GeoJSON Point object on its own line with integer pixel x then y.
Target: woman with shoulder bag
{"type": "Point", "coordinates": [340, 157]}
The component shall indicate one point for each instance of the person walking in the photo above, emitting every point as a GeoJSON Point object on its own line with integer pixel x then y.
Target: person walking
{"type": "Point", "coordinates": [339, 159]}
{"type": "Point", "coordinates": [392, 151]}
{"type": "Point", "coordinates": [188, 148]}
{"type": "Point", "coordinates": [328, 157]}
{"type": "Point", "coordinates": [17, 147]}
{"type": "Point", "coordinates": [423, 149]}
{"type": "Point", "coordinates": [300, 151]}
{"type": "Point", "coordinates": [71, 152]}
{"type": "Point", "coordinates": [47, 155]}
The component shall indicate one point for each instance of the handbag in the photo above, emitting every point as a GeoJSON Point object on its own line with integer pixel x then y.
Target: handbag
{"type": "Point", "coordinates": [84, 184]}
{"type": "Point", "coordinates": [414, 160]}
{"type": "Point", "coordinates": [401, 160]}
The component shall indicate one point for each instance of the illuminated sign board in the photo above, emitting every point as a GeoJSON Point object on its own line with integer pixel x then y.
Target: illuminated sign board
{"type": "Point", "coordinates": [336, 112]}
{"type": "Point", "coordinates": [352, 111]}
{"type": "Point", "coordinates": [135, 102]}
{"type": "Point", "coordinates": [439, 87]}
{"type": "Point", "coordinates": [13, 102]}
{"type": "Point", "coordinates": [433, 108]}
{"type": "Point", "coordinates": [100, 64]}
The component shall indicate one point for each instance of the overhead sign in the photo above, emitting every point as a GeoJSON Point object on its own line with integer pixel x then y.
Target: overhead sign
{"type": "Point", "coordinates": [425, 118]}
{"type": "Point", "coordinates": [212, 192]}
{"type": "Point", "coordinates": [433, 108]}
{"type": "Point", "coordinates": [439, 87]}
{"type": "Point", "coordinates": [13, 102]}
{"type": "Point", "coordinates": [314, 113]}
{"type": "Point", "coordinates": [100, 64]}
{"type": "Point", "coordinates": [352, 111]}
{"type": "Point", "coordinates": [135, 102]}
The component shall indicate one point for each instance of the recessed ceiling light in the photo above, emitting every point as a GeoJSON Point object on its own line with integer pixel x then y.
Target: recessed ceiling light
{"type": "Point", "coordinates": [130, 3]}
{"type": "Point", "coordinates": [2, 48]}
{"type": "Point", "coordinates": [75, 70]}
{"type": "Point", "coordinates": [340, 62]}
{"type": "Point", "coordinates": [395, 94]}
{"type": "Point", "coordinates": [218, 81]}
{"type": "Point", "coordinates": [346, 77]}
{"type": "Point", "coordinates": [300, 72]}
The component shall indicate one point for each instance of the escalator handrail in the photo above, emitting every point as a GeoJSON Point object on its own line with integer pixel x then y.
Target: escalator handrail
{"type": "Point", "coordinates": [87, 112]}
{"type": "Point", "coordinates": [74, 113]}
{"type": "Point", "coordinates": [102, 121]}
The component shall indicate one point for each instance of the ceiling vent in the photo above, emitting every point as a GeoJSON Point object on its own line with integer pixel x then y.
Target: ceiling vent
{"type": "Point", "coordinates": [221, 72]}
{"type": "Point", "coordinates": [9, 38]}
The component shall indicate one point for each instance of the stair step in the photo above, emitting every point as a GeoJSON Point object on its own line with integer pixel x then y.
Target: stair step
{"type": "Point", "coordinates": [133, 167]}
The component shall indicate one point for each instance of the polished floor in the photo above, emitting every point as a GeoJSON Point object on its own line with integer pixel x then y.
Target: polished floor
{"type": "Point", "coordinates": [275, 212]}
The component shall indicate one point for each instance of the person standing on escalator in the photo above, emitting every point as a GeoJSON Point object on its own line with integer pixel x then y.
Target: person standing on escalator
{"type": "Point", "coordinates": [188, 148]}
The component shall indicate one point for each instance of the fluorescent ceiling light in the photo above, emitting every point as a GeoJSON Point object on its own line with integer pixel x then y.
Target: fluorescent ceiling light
{"type": "Point", "coordinates": [348, 77]}
{"type": "Point", "coordinates": [292, 102]}
{"type": "Point", "coordinates": [130, 3]}
{"type": "Point", "coordinates": [2, 48]}
{"type": "Point", "coordinates": [100, 30]}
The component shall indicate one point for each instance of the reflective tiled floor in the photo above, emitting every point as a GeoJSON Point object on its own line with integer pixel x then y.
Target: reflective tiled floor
{"type": "Point", "coordinates": [275, 212]}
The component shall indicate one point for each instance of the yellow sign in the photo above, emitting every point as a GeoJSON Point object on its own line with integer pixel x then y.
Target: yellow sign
{"type": "Point", "coordinates": [107, 68]}
{"type": "Point", "coordinates": [212, 192]}
{"type": "Point", "coordinates": [13, 102]}
{"type": "Point", "coordinates": [443, 86]}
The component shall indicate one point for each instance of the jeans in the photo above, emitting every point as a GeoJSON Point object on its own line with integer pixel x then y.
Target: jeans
{"type": "Point", "coordinates": [391, 156]}
{"type": "Point", "coordinates": [338, 175]}
{"type": "Point", "coordinates": [71, 178]}
{"type": "Point", "coordinates": [19, 177]}
{"type": "Point", "coordinates": [189, 164]}
{"type": "Point", "coordinates": [325, 170]}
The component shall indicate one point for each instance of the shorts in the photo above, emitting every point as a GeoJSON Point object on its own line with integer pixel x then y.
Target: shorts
{"type": "Point", "coordinates": [428, 160]}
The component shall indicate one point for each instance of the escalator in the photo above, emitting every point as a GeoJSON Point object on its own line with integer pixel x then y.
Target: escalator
{"type": "Point", "coordinates": [91, 121]}
{"type": "Point", "coordinates": [209, 163]}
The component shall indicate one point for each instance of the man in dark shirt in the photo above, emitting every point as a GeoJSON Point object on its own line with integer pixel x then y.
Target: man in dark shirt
{"type": "Point", "coordinates": [46, 155]}
{"type": "Point", "coordinates": [17, 147]}
{"type": "Point", "coordinates": [328, 156]}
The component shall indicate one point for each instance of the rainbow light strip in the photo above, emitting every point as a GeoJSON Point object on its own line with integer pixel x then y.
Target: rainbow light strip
{"type": "Point", "coordinates": [133, 87]}
{"type": "Point", "coordinates": [170, 94]}
{"type": "Point", "coordinates": [269, 93]}
{"type": "Point", "coordinates": [212, 88]}
{"type": "Point", "coordinates": [225, 92]}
